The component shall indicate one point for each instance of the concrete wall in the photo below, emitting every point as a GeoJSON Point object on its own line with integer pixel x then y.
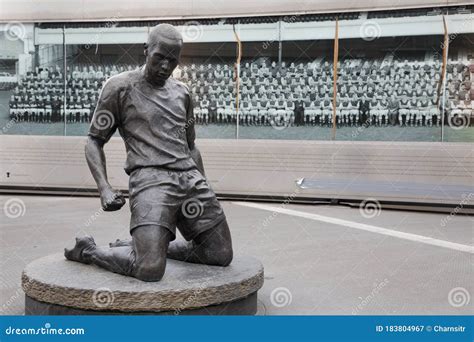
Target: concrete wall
{"type": "Point", "coordinates": [440, 173]}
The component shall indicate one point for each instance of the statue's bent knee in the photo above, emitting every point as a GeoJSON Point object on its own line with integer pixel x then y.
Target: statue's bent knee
{"type": "Point", "coordinates": [150, 270]}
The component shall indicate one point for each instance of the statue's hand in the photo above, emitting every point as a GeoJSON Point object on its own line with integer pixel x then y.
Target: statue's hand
{"type": "Point", "coordinates": [111, 199]}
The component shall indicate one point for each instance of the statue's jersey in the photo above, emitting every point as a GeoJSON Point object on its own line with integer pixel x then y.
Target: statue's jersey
{"type": "Point", "coordinates": [156, 124]}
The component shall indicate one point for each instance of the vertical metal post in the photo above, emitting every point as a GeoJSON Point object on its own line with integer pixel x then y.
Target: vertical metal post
{"type": "Point", "coordinates": [443, 76]}
{"type": "Point", "coordinates": [443, 103]}
{"type": "Point", "coordinates": [280, 44]}
{"type": "Point", "coordinates": [334, 95]}
{"type": "Point", "coordinates": [64, 77]}
{"type": "Point", "coordinates": [237, 80]}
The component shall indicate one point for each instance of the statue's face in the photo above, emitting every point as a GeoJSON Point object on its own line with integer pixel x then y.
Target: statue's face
{"type": "Point", "coordinates": [161, 60]}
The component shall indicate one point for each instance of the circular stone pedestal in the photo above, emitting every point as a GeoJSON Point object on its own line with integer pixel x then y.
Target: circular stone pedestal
{"type": "Point", "coordinates": [56, 286]}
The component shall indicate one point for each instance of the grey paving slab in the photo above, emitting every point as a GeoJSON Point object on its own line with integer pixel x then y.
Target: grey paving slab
{"type": "Point", "coordinates": [311, 267]}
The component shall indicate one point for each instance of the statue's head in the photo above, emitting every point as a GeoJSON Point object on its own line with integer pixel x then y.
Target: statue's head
{"type": "Point", "coordinates": [162, 51]}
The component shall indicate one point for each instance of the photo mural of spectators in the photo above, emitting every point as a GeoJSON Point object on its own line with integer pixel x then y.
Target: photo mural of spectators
{"type": "Point", "coordinates": [376, 92]}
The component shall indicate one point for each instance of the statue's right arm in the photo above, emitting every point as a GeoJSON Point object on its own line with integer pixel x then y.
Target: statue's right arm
{"type": "Point", "coordinates": [104, 123]}
{"type": "Point", "coordinates": [111, 199]}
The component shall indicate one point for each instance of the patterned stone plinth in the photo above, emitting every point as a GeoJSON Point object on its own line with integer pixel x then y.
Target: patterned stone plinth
{"type": "Point", "coordinates": [56, 286]}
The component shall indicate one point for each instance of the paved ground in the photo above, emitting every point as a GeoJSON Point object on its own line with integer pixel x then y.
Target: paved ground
{"type": "Point", "coordinates": [393, 263]}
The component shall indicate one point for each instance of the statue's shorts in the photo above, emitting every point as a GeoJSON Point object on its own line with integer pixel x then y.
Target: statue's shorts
{"type": "Point", "coordinates": [173, 199]}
